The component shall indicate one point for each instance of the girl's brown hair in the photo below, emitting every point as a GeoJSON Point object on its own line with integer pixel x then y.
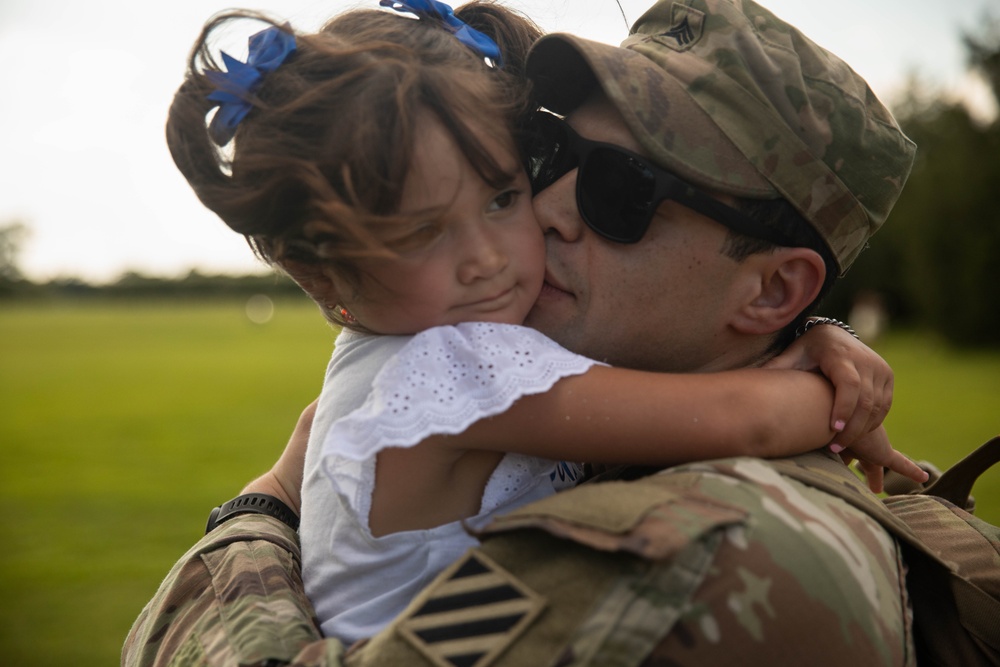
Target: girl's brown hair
{"type": "Point", "coordinates": [316, 170]}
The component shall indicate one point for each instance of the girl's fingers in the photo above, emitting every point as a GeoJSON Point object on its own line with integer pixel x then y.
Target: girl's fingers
{"type": "Point", "coordinates": [852, 406]}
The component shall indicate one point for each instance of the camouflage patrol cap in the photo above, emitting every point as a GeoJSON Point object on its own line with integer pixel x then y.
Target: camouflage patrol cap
{"type": "Point", "coordinates": [731, 98]}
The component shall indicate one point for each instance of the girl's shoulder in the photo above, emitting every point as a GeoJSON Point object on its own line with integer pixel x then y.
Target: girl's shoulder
{"type": "Point", "coordinates": [485, 337]}
{"type": "Point", "coordinates": [446, 378]}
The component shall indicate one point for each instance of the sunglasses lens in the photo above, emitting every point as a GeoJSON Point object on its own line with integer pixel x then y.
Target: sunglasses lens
{"type": "Point", "coordinates": [550, 153]}
{"type": "Point", "coordinates": [614, 189]}
{"type": "Point", "coordinates": [615, 192]}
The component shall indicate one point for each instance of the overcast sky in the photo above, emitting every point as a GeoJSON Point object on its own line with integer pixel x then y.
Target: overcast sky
{"type": "Point", "coordinates": [83, 162]}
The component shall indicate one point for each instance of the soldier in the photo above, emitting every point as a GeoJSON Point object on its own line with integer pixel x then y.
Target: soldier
{"type": "Point", "coordinates": [695, 565]}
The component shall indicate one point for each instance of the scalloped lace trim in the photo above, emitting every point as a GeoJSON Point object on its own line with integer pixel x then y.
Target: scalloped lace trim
{"type": "Point", "coordinates": [447, 378]}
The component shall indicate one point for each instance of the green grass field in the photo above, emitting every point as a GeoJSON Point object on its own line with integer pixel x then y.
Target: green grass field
{"type": "Point", "coordinates": [122, 424]}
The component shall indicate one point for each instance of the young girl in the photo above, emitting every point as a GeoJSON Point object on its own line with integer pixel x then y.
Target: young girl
{"type": "Point", "coordinates": [375, 163]}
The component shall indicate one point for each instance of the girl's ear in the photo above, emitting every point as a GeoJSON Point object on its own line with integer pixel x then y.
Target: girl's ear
{"type": "Point", "coordinates": [315, 280]}
{"type": "Point", "coordinates": [779, 286]}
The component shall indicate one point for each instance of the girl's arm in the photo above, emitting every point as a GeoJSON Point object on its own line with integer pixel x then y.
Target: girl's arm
{"type": "Point", "coordinates": [604, 415]}
{"type": "Point", "coordinates": [614, 415]}
{"type": "Point", "coordinates": [284, 479]}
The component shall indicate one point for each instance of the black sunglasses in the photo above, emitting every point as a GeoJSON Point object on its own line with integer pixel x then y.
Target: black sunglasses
{"type": "Point", "coordinates": [618, 191]}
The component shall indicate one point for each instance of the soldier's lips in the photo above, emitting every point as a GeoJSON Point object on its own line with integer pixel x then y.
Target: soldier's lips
{"type": "Point", "coordinates": [553, 290]}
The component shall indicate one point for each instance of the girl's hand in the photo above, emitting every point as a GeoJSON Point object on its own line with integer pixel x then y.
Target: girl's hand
{"type": "Point", "coordinates": [874, 454]}
{"type": "Point", "coordinates": [862, 380]}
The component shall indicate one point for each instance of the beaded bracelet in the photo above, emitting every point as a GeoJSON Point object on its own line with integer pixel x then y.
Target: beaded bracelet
{"type": "Point", "coordinates": [813, 321]}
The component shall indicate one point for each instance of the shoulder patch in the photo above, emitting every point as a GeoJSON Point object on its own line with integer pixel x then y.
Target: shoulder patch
{"type": "Point", "coordinates": [471, 614]}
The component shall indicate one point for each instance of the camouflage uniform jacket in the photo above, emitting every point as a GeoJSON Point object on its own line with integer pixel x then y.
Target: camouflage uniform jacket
{"type": "Point", "coordinates": [700, 564]}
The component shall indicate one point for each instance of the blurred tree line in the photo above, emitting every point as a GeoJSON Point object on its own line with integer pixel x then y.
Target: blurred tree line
{"type": "Point", "coordinates": [934, 265]}
{"type": "Point", "coordinates": [14, 285]}
{"type": "Point", "coordinates": [132, 285]}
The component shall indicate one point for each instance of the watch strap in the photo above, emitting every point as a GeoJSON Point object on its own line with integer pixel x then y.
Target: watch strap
{"type": "Point", "coordinates": [252, 503]}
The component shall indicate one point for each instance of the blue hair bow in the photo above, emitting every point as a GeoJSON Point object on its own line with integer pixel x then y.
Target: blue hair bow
{"type": "Point", "coordinates": [466, 34]}
{"type": "Point", "coordinates": [234, 88]}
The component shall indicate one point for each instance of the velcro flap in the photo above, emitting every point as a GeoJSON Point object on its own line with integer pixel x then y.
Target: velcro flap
{"type": "Point", "coordinates": [654, 517]}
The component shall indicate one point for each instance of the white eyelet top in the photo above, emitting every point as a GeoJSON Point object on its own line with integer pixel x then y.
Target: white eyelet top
{"type": "Point", "coordinates": [395, 391]}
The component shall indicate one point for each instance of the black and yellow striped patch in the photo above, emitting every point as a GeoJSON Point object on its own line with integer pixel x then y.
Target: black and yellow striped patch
{"type": "Point", "coordinates": [475, 611]}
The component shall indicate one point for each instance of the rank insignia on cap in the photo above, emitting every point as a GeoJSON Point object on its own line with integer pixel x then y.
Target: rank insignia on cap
{"type": "Point", "coordinates": [474, 611]}
{"type": "Point", "coordinates": [685, 30]}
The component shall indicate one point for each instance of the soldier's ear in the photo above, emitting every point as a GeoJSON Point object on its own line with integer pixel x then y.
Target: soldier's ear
{"type": "Point", "coordinates": [776, 287]}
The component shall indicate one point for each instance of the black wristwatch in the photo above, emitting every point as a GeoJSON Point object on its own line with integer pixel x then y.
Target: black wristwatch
{"type": "Point", "coordinates": [252, 503]}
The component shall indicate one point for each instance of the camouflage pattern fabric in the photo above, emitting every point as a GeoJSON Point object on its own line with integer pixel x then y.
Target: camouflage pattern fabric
{"type": "Point", "coordinates": [953, 558]}
{"type": "Point", "coordinates": [733, 99]}
{"type": "Point", "coordinates": [697, 565]}
{"type": "Point", "coordinates": [971, 544]}
{"type": "Point", "coordinates": [235, 598]}
{"type": "Point", "coordinates": [955, 594]}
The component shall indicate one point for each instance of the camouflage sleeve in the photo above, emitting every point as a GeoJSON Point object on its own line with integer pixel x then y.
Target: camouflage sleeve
{"type": "Point", "coordinates": [235, 599]}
